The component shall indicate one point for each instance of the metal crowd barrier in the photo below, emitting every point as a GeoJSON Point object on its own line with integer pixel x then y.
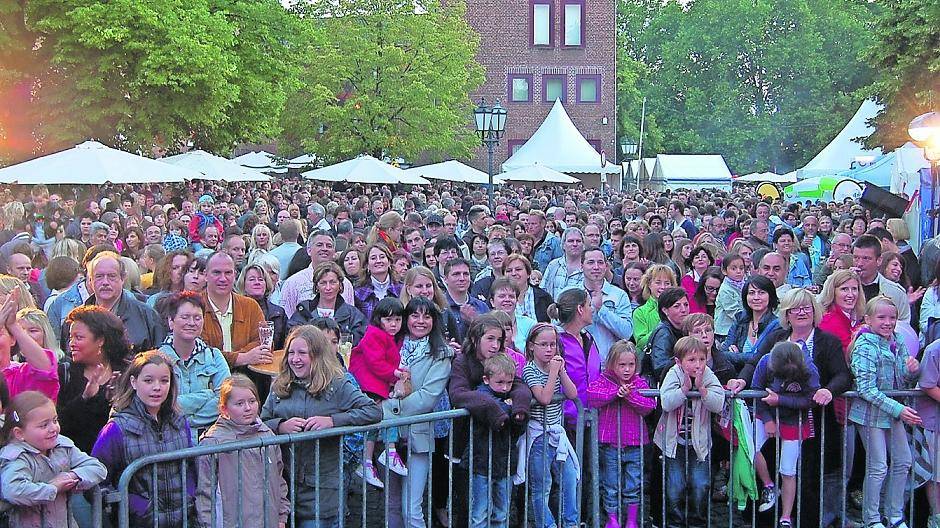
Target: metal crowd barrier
{"type": "Point", "coordinates": [458, 510]}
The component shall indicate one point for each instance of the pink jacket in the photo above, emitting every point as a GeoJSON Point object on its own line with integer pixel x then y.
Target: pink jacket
{"type": "Point", "coordinates": [374, 360]}
{"type": "Point", "coordinates": [602, 395]}
{"type": "Point", "coordinates": [22, 377]}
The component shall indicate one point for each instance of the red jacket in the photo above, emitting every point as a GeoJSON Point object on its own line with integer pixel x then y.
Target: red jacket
{"type": "Point", "coordinates": [836, 323]}
{"type": "Point", "coordinates": [194, 224]}
{"type": "Point", "coordinates": [374, 360]}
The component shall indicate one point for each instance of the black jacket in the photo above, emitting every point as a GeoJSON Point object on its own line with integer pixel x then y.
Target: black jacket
{"type": "Point", "coordinates": [144, 329]}
{"type": "Point", "coordinates": [542, 301]}
{"type": "Point", "coordinates": [278, 316]}
{"type": "Point", "coordinates": [347, 316]}
{"type": "Point", "coordinates": [661, 344]}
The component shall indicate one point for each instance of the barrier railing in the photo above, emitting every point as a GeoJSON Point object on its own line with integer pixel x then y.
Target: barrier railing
{"type": "Point", "coordinates": [472, 476]}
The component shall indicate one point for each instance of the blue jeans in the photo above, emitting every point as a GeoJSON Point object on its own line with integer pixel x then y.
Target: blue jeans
{"type": "Point", "coordinates": [627, 490]}
{"type": "Point", "coordinates": [687, 487]}
{"type": "Point", "coordinates": [498, 505]}
{"type": "Point", "coordinates": [542, 468]}
{"type": "Point", "coordinates": [332, 522]}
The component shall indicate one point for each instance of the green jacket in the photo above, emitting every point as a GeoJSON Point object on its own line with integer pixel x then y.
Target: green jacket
{"type": "Point", "coordinates": [742, 484]}
{"type": "Point", "coordinates": [645, 320]}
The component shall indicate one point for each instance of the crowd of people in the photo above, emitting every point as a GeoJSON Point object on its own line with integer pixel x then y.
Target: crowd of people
{"type": "Point", "coordinates": [143, 319]}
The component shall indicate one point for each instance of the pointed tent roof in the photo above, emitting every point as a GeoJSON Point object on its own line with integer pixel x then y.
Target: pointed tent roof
{"type": "Point", "coordinates": [839, 154]}
{"type": "Point", "coordinates": [557, 144]}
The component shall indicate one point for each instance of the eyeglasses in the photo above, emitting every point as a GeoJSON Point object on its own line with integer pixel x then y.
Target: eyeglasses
{"type": "Point", "coordinates": [801, 309]}
{"type": "Point", "coordinates": [545, 344]}
{"type": "Point", "coordinates": [711, 289]}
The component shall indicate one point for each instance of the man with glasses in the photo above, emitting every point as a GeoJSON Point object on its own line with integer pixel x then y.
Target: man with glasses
{"type": "Point", "coordinates": [841, 245]}
{"type": "Point", "coordinates": [496, 253]}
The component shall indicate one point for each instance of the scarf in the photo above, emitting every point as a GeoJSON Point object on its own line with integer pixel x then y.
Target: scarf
{"type": "Point", "coordinates": [411, 350]}
{"type": "Point", "coordinates": [392, 246]}
{"type": "Point", "coordinates": [738, 285]}
{"type": "Point", "coordinates": [381, 288]}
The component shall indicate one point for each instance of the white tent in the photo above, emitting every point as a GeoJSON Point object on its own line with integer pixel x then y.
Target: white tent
{"type": "Point", "coordinates": [452, 170]}
{"type": "Point", "coordinates": [534, 173]}
{"type": "Point", "coordinates": [707, 171]}
{"type": "Point", "coordinates": [906, 182]}
{"type": "Point", "coordinates": [215, 167]}
{"type": "Point", "coordinates": [304, 160]}
{"type": "Point", "coordinates": [92, 163]}
{"type": "Point", "coordinates": [557, 144]}
{"type": "Point", "coordinates": [364, 169]}
{"type": "Point", "coordinates": [839, 154]}
{"type": "Point", "coordinates": [761, 177]}
{"type": "Point", "coordinates": [262, 161]}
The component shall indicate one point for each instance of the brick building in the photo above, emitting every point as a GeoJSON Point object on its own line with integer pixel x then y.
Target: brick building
{"type": "Point", "coordinates": [536, 51]}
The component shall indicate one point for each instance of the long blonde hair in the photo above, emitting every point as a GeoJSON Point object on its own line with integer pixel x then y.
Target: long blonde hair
{"type": "Point", "coordinates": [324, 364]}
{"type": "Point", "coordinates": [411, 276]}
{"type": "Point", "coordinates": [388, 220]}
{"type": "Point", "coordinates": [839, 277]}
{"type": "Point", "coordinates": [39, 318]}
{"type": "Point", "coordinates": [10, 284]}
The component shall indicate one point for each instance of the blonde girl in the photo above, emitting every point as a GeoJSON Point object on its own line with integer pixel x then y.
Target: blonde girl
{"type": "Point", "coordinates": [37, 325]}
{"type": "Point", "coordinates": [238, 420]}
{"type": "Point", "coordinates": [41, 468]}
{"type": "Point", "coordinates": [881, 362]}
{"type": "Point", "coordinates": [654, 282]}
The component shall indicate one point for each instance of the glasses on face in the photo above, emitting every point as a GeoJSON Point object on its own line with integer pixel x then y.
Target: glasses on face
{"type": "Point", "coordinates": [711, 289]}
{"type": "Point", "coordinates": [545, 344]}
{"type": "Point", "coordinates": [801, 309]}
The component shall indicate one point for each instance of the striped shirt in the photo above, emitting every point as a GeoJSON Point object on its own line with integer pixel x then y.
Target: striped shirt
{"type": "Point", "coordinates": [547, 415]}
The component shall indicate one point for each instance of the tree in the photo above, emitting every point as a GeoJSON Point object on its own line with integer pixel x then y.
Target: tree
{"type": "Point", "coordinates": [386, 79]}
{"type": "Point", "coordinates": [767, 87]}
{"type": "Point", "coordinates": [906, 61]}
{"type": "Point", "coordinates": [140, 73]}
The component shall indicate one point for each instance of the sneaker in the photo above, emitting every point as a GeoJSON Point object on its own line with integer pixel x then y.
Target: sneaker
{"type": "Point", "coordinates": [390, 459]}
{"type": "Point", "coordinates": [899, 524]}
{"type": "Point", "coordinates": [784, 523]}
{"type": "Point", "coordinates": [367, 472]}
{"type": "Point", "coordinates": [768, 497]}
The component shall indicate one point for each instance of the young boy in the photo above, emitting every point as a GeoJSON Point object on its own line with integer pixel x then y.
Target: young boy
{"type": "Point", "coordinates": [490, 481]}
{"type": "Point", "coordinates": [928, 407]}
{"type": "Point", "coordinates": [686, 428]}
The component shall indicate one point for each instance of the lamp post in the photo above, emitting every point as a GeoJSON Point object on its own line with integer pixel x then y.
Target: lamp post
{"type": "Point", "coordinates": [925, 131]}
{"type": "Point", "coordinates": [490, 123]}
{"type": "Point", "coordinates": [628, 149]}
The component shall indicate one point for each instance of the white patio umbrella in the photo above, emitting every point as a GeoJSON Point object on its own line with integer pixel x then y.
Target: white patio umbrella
{"type": "Point", "coordinates": [364, 169]}
{"type": "Point", "coordinates": [215, 167]}
{"type": "Point", "coordinates": [262, 161]}
{"type": "Point", "coordinates": [303, 160]}
{"type": "Point", "coordinates": [534, 173]}
{"type": "Point", "coordinates": [452, 170]}
{"type": "Point", "coordinates": [92, 163]}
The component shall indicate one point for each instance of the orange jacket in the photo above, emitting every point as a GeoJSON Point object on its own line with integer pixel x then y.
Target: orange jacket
{"type": "Point", "coordinates": [246, 314]}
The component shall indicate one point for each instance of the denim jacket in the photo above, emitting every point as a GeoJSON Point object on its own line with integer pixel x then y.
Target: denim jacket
{"type": "Point", "coordinates": [199, 380]}
{"type": "Point", "coordinates": [547, 251]}
{"type": "Point", "coordinates": [878, 365]}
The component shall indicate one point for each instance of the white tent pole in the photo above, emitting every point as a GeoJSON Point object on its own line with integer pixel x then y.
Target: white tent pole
{"type": "Point", "coordinates": [640, 147]}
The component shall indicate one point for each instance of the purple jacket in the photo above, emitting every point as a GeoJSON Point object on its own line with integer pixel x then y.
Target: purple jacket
{"type": "Point", "coordinates": [583, 365]}
{"type": "Point", "coordinates": [366, 299]}
{"type": "Point", "coordinates": [602, 395]}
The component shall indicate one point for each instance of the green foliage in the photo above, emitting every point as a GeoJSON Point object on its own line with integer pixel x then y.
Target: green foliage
{"type": "Point", "coordinates": [383, 79]}
{"type": "Point", "coordinates": [906, 58]}
{"type": "Point", "coordinates": [766, 83]}
{"type": "Point", "coordinates": [135, 73]}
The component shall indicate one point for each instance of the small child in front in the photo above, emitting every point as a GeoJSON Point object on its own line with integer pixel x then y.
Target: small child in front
{"type": "Point", "coordinates": [684, 429]}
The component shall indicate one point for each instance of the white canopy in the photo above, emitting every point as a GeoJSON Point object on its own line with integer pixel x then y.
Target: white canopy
{"type": "Point", "coordinates": [692, 171]}
{"type": "Point", "coordinates": [772, 177]}
{"type": "Point", "coordinates": [559, 145]}
{"type": "Point", "coordinates": [215, 167]}
{"type": "Point", "coordinates": [94, 164]}
{"type": "Point", "coordinates": [839, 154]}
{"type": "Point", "coordinates": [303, 160]}
{"type": "Point", "coordinates": [452, 170]}
{"type": "Point", "coordinates": [262, 161]}
{"type": "Point", "coordinates": [534, 173]}
{"type": "Point", "coordinates": [364, 169]}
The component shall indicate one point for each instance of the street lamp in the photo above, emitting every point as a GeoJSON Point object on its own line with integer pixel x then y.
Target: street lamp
{"type": "Point", "coordinates": [628, 149]}
{"type": "Point", "coordinates": [491, 124]}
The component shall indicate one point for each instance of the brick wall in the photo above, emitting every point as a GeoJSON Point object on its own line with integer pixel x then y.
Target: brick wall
{"type": "Point", "coordinates": [505, 48]}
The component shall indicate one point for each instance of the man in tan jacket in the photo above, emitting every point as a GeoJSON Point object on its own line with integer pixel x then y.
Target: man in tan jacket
{"type": "Point", "coordinates": [231, 320]}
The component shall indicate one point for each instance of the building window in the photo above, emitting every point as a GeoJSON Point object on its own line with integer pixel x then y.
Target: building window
{"type": "Point", "coordinates": [573, 22]}
{"type": "Point", "coordinates": [513, 145]}
{"type": "Point", "coordinates": [554, 87]}
{"type": "Point", "coordinates": [541, 22]}
{"type": "Point", "coordinates": [520, 88]}
{"type": "Point", "coordinates": [589, 88]}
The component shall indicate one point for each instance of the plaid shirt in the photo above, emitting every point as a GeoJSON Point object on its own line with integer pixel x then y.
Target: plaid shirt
{"type": "Point", "coordinates": [556, 278]}
{"type": "Point", "coordinates": [878, 365]}
{"type": "Point", "coordinates": [602, 395]}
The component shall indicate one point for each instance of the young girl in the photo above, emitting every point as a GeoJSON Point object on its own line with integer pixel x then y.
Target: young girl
{"type": "Point", "coordinates": [549, 453]}
{"type": "Point", "coordinates": [622, 432]}
{"type": "Point", "coordinates": [41, 468]}
{"type": "Point", "coordinates": [311, 393]}
{"type": "Point", "coordinates": [508, 320]}
{"type": "Point", "coordinates": [238, 420]}
{"type": "Point", "coordinates": [880, 362]}
{"type": "Point", "coordinates": [374, 362]}
{"type": "Point", "coordinates": [37, 325]}
{"type": "Point", "coordinates": [728, 304]}
{"type": "Point", "coordinates": [40, 370]}
{"type": "Point", "coordinates": [791, 380]}
{"type": "Point", "coordinates": [145, 421]}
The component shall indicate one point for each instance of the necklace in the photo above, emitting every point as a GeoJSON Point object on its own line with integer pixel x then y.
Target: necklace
{"type": "Point", "coordinates": [754, 325]}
